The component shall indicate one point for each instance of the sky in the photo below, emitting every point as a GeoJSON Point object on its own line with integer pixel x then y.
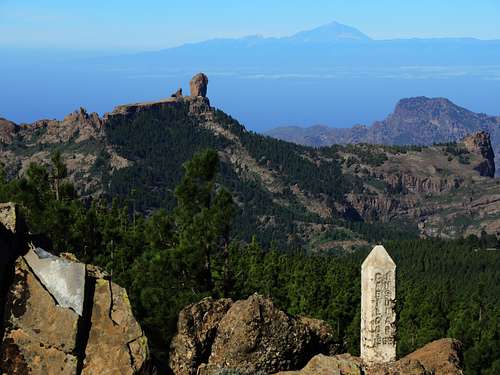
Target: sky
{"type": "Point", "coordinates": [154, 24]}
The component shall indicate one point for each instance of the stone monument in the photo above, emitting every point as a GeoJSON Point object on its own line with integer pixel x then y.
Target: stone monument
{"type": "Point", "coordinates": [378, 315]}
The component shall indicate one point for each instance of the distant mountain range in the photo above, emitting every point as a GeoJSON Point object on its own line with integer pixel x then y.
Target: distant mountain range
{"type": "Point", "coordinates": [307, 71]}
{"type": "Point", "coordinates": [415, 121]}
{"type": "Point", "coordinates": [315, 51]}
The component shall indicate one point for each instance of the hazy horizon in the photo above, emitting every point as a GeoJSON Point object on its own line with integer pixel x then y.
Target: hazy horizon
{"type": "Point", "coordinates": [340, 86]}
{"type": "Point", "coordinates": [154, 24]}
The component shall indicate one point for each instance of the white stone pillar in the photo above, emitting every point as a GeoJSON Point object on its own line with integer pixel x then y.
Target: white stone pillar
{"type": "Point", "coordinates": [378, 315]}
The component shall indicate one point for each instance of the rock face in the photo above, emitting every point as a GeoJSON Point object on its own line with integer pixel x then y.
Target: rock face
{"type": "Point", "coordinates": [61, 317]}
{"type": "Point", "coordinates": [196, 330]}
{"type": "Point", "coordinates": [250, 335]}
{"type": "Point", "coordinates": [442, 357]}
{"type": "Point", "coordinates": [40, 336]}
{"type": "Point", "coordinates": [198, 85]}
{"type": "Point", "coordinates": [480, 144]}
{"type": "Point", "coordinates": [378, 314]}
{"type": "Point", "coordinates": [7, 130]}
{"type": "Point", "coordinates": [11, 239]}
{"type": "Point", "coordinates": [116, 343]}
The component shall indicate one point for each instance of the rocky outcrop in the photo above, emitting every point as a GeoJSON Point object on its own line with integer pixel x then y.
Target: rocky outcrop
{"type": "Point", "coordinates": [410, 183]}
{"type": "Point", "coordinates": [480, 144]}
{"type": "Point", "coordinates": [199, 85]}
{"type": "Point", "coordinates": [78, 126]}
{"type": "Point", "coordinates": [439, 357]}
{"type": "Point", "coordinates": [177, 94]}
{"type": "Point", "coordinates": [442, 357]}
{"type": "Point", "coordinates": [255, 334]}
{"type": "Point", "coordinates": [63, 317]}
{"type": "Point", "coordinates": [374, 207]}
{"type": "Point", "coordinates": [321, 364]}
{"type": "Point", "coordinates": [7, 131]}
{"type": "Point", "coordinates": [251, 334]}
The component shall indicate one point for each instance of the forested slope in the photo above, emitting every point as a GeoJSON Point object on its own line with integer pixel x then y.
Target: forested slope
{"type": "Point", "coordinates": [446, 288]}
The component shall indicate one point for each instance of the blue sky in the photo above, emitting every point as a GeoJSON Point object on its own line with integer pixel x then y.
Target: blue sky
{"type": "Point", "coordinates": [155, 24]}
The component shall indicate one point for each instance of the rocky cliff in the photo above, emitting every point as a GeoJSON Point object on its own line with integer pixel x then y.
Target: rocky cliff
{"type": "Point", "coordinates": [253, 336]}
{"type": "Point", "coordinates": [61, 316]}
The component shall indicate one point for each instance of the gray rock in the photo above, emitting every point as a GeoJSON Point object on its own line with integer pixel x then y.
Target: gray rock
{"type": "Point", "coordinates": [63, 279]}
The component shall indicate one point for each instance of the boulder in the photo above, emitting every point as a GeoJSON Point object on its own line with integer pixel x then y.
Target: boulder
{"type": "Point", "coordinates": [442, 357]}
{"type": "Point", "coordinates": [39, 334]}
{"type": "Point", "coordinates": [196, 330]}
{"type": "Point", "coordinates": [344, 364]}
{"type": "Point", "coordinates": [63, 317]}
{"type": "Point", "coordinates": [438, 358]}
{"type": "Point", "coordinates": [198, 85]}
{"type": "Point", "coordinates": [248, 335]}
{"type": "Point", "coordinates": [255, 334]}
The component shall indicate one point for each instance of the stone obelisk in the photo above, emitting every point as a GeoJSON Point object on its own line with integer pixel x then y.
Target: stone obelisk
{"type": "Point", "coordinates": [378, 315]}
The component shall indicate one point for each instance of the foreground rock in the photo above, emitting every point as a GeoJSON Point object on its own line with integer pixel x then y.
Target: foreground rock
{"type": "Point", "coordinates": [40, 336]}
{"type": "Point", "coordinates": [11, 230]}
{"type": "Point", "coordinates": [440, 357]}
{"type": "Point", "coordinates": [248, 335]}
{"type": "Point", "coordinates": [196, 330]}
{"type": "Point", "coordinates": [253, 336]}
{"type": "Point", "coordinates": [344, 364]}
{"type": "Point", "coordinates": [116, 343]}
{"type": "Point", "coordinates": [61, 316]}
